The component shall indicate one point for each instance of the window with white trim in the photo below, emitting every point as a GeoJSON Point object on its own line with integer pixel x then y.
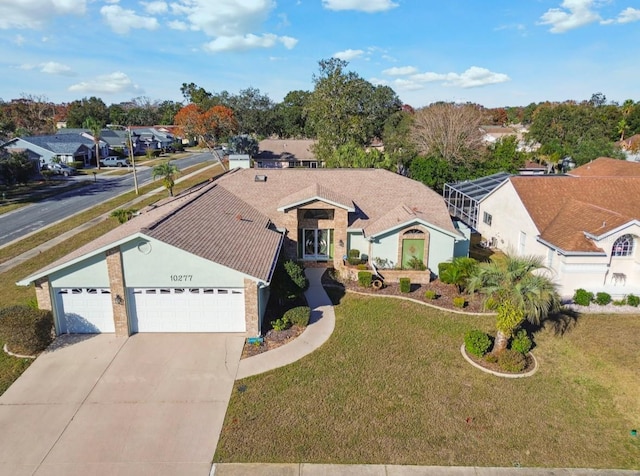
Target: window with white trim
{"type": "Point", "coordinates": [486, 218]}
{"type": "Point", "coordinates": [623, 246]}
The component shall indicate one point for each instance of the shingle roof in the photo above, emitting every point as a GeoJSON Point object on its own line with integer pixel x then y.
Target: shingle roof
{"type": "Point", "coordinates": [208, 222]}
{"type": "Point", "coordinates": [316, 191]}
{"type": "Point", "coordinates": [374, 192]}
{"type": "Point", "coordinates": [294, 149]}
{"type": "Point", "coordinates": [607, 167]}
{"type": "Point", "coordinates": [563, 208]}
{"type": "Point", "coordinates": [60, 143]}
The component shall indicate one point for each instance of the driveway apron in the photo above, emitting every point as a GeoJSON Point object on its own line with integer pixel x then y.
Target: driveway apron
{"type": "Point", "coordinates": [101, 405]}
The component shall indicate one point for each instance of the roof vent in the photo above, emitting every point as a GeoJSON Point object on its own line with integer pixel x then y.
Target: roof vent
{"type": "Point", "coordinates": [261, 178]}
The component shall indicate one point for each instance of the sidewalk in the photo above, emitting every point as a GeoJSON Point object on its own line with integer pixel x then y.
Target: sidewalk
{"type": "Point", "coordinates": [307, 469]}
{"type": "Point", "coordinates": [317, 332]}
{"type": "Point", "coordinates": [13, 262]}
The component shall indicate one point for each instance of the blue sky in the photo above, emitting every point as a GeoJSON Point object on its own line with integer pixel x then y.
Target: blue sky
{"type": "Point", "coordinates": [493, 52]}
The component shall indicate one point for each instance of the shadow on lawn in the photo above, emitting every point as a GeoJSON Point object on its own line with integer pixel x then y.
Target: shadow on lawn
{"type": "Point", "coordinates": [559, 322]}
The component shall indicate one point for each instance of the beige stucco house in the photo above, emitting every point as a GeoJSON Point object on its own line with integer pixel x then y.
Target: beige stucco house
{"type": "Point", "coordinates": [585, 225]}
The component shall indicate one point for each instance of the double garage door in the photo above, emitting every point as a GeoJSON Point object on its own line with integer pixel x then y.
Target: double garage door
{"type": "Point", "coordinates": [89, 310]}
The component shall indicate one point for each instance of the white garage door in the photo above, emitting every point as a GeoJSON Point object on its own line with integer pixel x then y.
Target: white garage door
{"type": "Point", "coordinates": [187, 310]}
{"type": "Point", "coordinates": [84, 310]}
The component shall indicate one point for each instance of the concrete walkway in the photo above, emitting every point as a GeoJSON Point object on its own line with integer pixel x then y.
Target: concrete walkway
{"type": "Point", "coordinates": [307, 469]}
{"type": "Point", "coordinates": [317, 332]}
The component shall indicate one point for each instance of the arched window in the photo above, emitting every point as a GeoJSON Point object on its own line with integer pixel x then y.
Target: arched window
{"type": "Point", "coordinates": [414, 232]}
{"type": "Point", "coordinates": [623, 246]}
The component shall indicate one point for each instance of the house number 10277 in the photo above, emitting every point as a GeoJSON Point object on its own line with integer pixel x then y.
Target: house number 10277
{"type": "Point", "coordinates": [183, 278]}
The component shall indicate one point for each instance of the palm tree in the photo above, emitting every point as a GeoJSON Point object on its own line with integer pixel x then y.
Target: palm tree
{"type": "Point", "coordinates": [95, 128]}
{"type": "Point", "coordinates": [168, 172]}
{"type": "Point", "coordinates": [514, 289]}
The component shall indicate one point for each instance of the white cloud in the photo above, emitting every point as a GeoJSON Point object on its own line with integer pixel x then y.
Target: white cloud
{"type": "Point", "coordinates": [51, 67]}
{"type": "Point", "coordinates": [19, 40]}
{"type": "Point", "coordinates": [113, 83]}
{"type": "Point", "coordinates": [572, 14]}
{"type": "Point", "coordinates": [473, 77]}
{"type": "Point", "coordinates": [178, 25]}
{"type": "Point", "coordinates": [348, 55]}
{"type": "Point", "coordinates": [368, 6]}
{"type": "Point", "coordinates": [122, 21]}
{"type": "Point", "coordinates": [629, 15]}
{"type": "Point", "coordinates": [401, 71]}
{"type": "Point", "coordinates": [155, 8]}
{"type": "Point", "coordinates": [247, 42]}
{"type": "Point", "coordinates": [225, 17]}
{"type": "Point", "coordinates": [34, 14]}
{"type": "Point", "coordinates": [407, 85]}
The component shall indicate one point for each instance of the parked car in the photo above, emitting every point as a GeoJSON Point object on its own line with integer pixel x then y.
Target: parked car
{"type": "Point", "coordinates": [114, 161]}
{"type": "Point", "coordinates": [59, 169]}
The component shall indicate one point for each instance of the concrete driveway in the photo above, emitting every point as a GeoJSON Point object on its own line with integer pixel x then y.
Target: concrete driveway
{"type": "Point", "coordinates": [150, 404]}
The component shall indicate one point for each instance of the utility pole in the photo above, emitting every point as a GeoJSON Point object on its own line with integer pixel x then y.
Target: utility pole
{"type": "Point", "coordinates": [133, 161]}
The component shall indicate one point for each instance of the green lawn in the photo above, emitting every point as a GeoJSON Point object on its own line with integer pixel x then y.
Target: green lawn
{"type": "Point", "coordinates": [390, 386]}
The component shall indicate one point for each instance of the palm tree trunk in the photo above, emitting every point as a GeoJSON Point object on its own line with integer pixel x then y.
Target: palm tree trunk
{"type": "Point", "coordinates": [500, 343]}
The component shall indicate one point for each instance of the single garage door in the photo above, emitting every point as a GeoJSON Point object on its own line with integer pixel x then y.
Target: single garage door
{"type": "Point", "coordinates": [84, 310]}
{"type": "Point", "coordinates": [187, 310]}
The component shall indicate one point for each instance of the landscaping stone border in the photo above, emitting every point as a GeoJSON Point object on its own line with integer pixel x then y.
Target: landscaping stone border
{"type": "Point", "coordinates": [463, 351]}
{"type": "Point", "coordinates": [19, 356]}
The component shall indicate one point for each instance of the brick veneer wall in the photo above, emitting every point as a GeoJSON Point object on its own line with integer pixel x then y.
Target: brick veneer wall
{"type": "Point", "coordinates": [43, 294]}
{"type": "Point", "coordinates": [116, 282]}
{"type": "Point", "coordinates": [251, 317]}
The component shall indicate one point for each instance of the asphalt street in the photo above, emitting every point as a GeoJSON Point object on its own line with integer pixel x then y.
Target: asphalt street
{"type": "Point", "coordinates": [28, 219]}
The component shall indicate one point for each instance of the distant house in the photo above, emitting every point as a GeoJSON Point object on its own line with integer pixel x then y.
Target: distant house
{"type": "Point", "coordinates": [631, 147]}
{"type": "Point", "coordinates": [584, 225]}
{"type": "Point", "coordinates": [59, 147]}
{"type": "Point", "coordinates": [286, 153]}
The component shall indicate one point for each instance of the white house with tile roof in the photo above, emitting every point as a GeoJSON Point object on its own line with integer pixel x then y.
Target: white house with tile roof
{"type": "Point", "coordinates": [585, 225]}
{"type": "Point", "coordinates": [203, 261]}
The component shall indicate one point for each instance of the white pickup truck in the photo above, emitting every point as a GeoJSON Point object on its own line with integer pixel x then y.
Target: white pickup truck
{"type": "Point", "coordinates": [114, 161]}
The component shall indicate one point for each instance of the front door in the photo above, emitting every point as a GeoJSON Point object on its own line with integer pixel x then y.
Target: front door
{"type": "Point", "coordinates": [412, 250]}
{"type": "Point", "coordinates": [316, 244]}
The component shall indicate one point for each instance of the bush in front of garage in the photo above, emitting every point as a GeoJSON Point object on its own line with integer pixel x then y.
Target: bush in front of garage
{"type": "Point", "coordinates": [26, 330]}
{"type": "Point", "coordinates": [298, 316]}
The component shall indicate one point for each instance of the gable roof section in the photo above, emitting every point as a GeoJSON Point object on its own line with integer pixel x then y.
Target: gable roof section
{"type": "Point", "coordinates": [397, 217]}
{"type": "Point", "coordinates": [565, 207]}
{"type": "Point", "coordinates": [60, 143]}
{"type": "Point", "coordinates": [208, 222]}
{"type": "Point", "coordinates": [373, 193]}
{"type": "Point", "coordinates": [316, 192]}
{"type": "Point", "coordinates": [607, 167]}
{"type": "Point", "coordinates": [286, 149]}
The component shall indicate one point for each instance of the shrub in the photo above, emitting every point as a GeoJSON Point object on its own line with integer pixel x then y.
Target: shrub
{"type": "Point", "coordinates": [362, 266]}
{"type": "Point", "coordinates": [442, 268]}
{"type": "Point", "coordinates": [354, 261]}
{"type": "Point", "coordinates": [415, 263]}
{"type": "Point", "coordinates": [364, 278]}
{"type": "Point", "coordinates": [633, 300]}
{"type": "Point", "coordinates": [477, 342]}
{"type": "Point", "coordinates": [582, 297]}
{"type": "Point", "coordinates": [459, 301]}
{"type": "Point", "coordinates": [298, 316]}
{"type": "Point", "coordinates": [430, 294]}
{"type": "Point", "coordinates": [521, 342]}
{"type": "Point", "coordinates": [619, 302]}
{"type": "Point", "coordinates": [603, 298]}
{"type": "Point", "coordinates": [77, 164]}
{"type": "Point", "coordinates": [510, 360]}
{"type": "Point", "coordinates": [280, 324]}
{"type": "Point", "coordinates": [405, 285]}
{"type": "Point", "coordinates": [353, 253]}
{"type": "Point", "coordinates": [296, 273]}
{"type": "Point", "coordinates": [26, 330]}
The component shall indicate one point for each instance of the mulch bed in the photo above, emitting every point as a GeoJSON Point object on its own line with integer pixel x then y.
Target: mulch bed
{"type": "Point", "coordinates": [496, 368]}
{"type": "Point", "coordinates": [445, 293]}
{"type": "Point", "coordinates": [272, 340]}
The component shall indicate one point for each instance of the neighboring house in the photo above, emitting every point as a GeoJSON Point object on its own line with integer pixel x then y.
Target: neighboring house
{"type": "Point", "coordinates": [152, 138]}
{"type": "Point", "coordinates": [533, 168]}
{"type": "Point", "coordinates": [585, 226]}
{"type": "Point", "coordinates": [242, 161]}
{"type": "Point", "coordinates": [286, 153]}
{"type": "Point", "coordinates": [203, 261]}
{"type": "Point", "coordinates": [631, 147]}
{"type": "Point", "coordinates": [64, 148]}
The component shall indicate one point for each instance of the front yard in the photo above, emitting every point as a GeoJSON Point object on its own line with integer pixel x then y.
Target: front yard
{"type": "Point", "coordinates": [390, 386]}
